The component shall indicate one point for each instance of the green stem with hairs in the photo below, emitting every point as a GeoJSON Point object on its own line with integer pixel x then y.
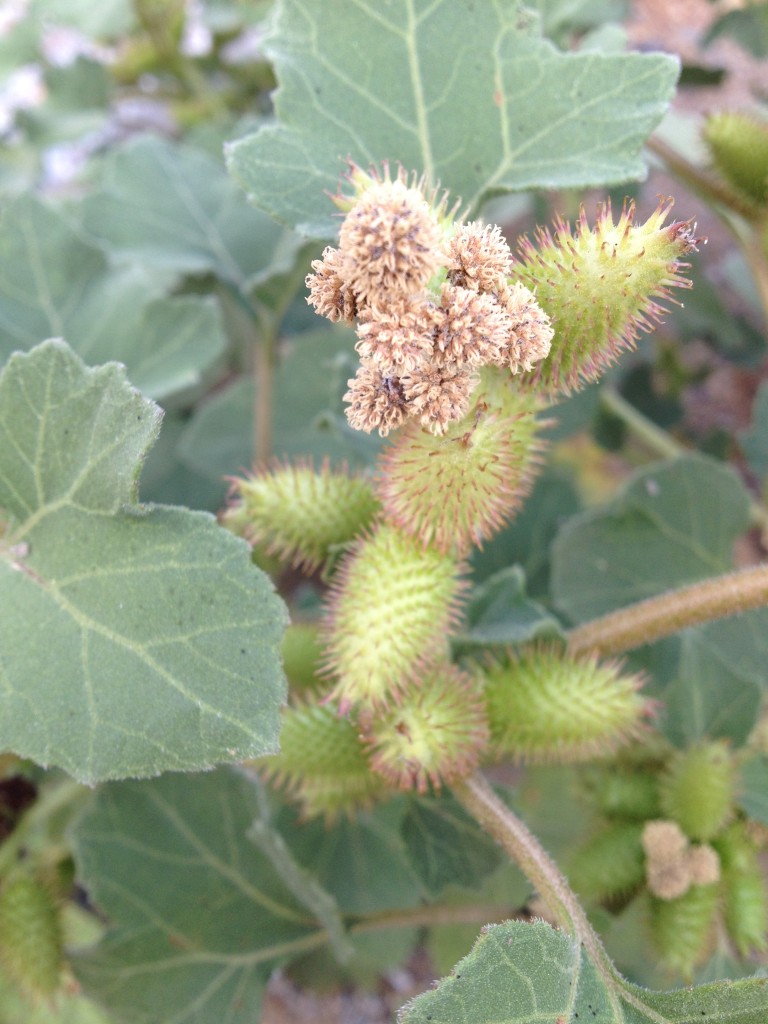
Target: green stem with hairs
{"type": "Point", "coordinates": [479, 800]}
{"type": "Point", "coordinates": [657, 617]}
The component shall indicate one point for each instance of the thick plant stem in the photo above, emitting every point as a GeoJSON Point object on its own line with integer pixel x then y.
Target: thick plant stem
{"type": "Point", "coordinates": [264, 372]}
{"type": "Point", "coordinates": [477, 797]}
{"type": "Point", "coordinates": [656, 617]}
{"type": "Point", "coordinates": [508, 830]}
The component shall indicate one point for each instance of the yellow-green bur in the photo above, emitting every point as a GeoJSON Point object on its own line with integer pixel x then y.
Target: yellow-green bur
{"type": "Point", "coordinates": [610, 863]}
{"type": "Point", "coordinates": [322, 761]}
{"type": "Point", "coordinates": [543, 705]}
{"type": "Point", "coordinates": [744, 890]}
{"type": "Point", "coordinates": [738, 144]}
{"type": "Point", "coordinates": [299, 513]}
{"type": "Point", "coordinates": [393, 605]}
{"type": "Point", "coordinates": [697, 789]}
{"type": "Point", "coordinates": [30, 936]}
{"type": "Point", "coordinates": [459, 490]}
{"type": "Point", "coordinates": [600, 287]}
{"type": "Point", "coordinates": [684, 928]}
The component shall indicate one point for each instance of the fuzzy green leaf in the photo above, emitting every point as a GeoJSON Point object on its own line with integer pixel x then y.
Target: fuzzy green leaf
{"type": "Point", "coordinates": [754, 441]}
{"type": "Point", "coordinates": [198, 916]}
{"type": "Point", "coordinates": [308, 420]}
{"type": "Point", "coordinates": [720, 681]}
{"type": "Point", "coordinates": [501, 614]}
{"type": "Point", "coordinates": [674, 523]}
{"type": "Point", "coordinates": [753, 796]}
{"type": "Point", "coordinates": [482, 105]}
{"type": "Point", "coordinates": [175, 207]}
{"type": "Point", "coordinates": [364, 863]}
{"type": "Point", "coordinates": [55, 283]}
{"type": "Point", "coordinates": [531, 974]}
{"type": "Point", "coordinates": [135, 639]}
{"type": "Point", "coordinates": [445, 845]}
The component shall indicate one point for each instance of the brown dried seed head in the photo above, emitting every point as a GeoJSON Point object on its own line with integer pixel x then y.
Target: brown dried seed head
{"type": "Point", "coordinates": [476, 256]}
{"type": "Point", "coordinates": [328, 292]}
{"type": "Point", "coordinates": [668, 881]}
{"type": "Point", "coordinates": [398, 336]}
{"type": "Point", "coordinates": [667, 853]}
{"type": "Point", "coordinates": [703, 865]}
{"type": "Point", "coordinates": [473, 329]}
{"type": "Point", "coordinates": [664, 840]}
{"type": "Point", "coordinates": [390, 241]}
{"type": "Point", "coordinates": [438, 396]}
{"type": "Point", "coordinates": [376, 401]}
{"type": "Point", "coordinates": [530, 335]}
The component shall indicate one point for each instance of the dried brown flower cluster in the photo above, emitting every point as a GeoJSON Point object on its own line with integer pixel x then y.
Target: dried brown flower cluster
{"type": "Point", "coordinates": [672, 865]}
{"type": "Point", "coordinates": [433, 302]}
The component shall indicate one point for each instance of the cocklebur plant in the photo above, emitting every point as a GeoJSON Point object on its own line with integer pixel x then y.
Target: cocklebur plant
{"type": "Point", "coordinates": [435, 300]}
{"type": "Point", "coordinates": [453, 611]}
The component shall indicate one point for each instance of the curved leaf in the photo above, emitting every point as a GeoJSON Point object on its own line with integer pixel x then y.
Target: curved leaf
{"type": "Point", "coordinates": [173, 206]}
{"type": "Point", "coordinates": [531, 974]}
{"type": "Point", "coordinates": [477, 100]}
{"type": "Point", "coordinates": [675, 522]}
{"type": "Point", "coordinates": [199, 917]}
{"type": "Point", "coordinates": [54, 282]}
{"type": "Point", "coordinates": [134, 639]}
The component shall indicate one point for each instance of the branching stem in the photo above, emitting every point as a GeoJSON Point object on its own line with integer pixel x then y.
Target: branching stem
{"type": "Point", "coordinates": [477, 797]}
{"type": "Point", "coordinates": [657, 617]}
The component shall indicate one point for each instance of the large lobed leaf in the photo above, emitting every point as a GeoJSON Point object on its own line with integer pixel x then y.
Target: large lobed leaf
{"type": "Point", "coordinates": [473, 96]}
{"type": "Point", "coordinates": [531, 974]}
{"type": "Point", "coordinates": [200, 918]}
{"type": "Point", "coordinates": [172, 206]}
{"type": "Point", "coordinates": [55, 282]}
{"type": "Point", "coordinates": [134, 639]}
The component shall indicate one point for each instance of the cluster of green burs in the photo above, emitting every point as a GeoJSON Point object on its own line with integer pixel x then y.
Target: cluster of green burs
{"type": "Point", "coordinates": [382, 698]}
{"type": "Point", "coordinates": [672, 851]}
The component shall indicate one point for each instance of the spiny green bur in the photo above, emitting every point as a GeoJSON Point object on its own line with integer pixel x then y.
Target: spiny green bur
{"type": "Point", "coordinates": [322, 761]}
{"type": "Point", "coordinates": [744, 890]}
{"type": "Point", "coordinates": [621, 793]}
{"type": "Point", "coordinates": [684, 928]}
{"type": "Point", "coordinates": [611, 863]}
{"type": "Point", "coordinates": [392, 605]}
{"type": "Point", "coordinates": [738, 144]}
{"type": "Point", "coordinates": [697, 789]}
{"type": "Point", "coordinates": [302, 652]}
{"type": "Point", "coordinates": [600, 287]}
{"type": "Point", "coordinates": [30, 936]}
{"type": "Point", "coordinates": [544, 705]}
{"type": "Point", "coordinates": [299, 514]}
{"type": "Point", "coordinates": [458, 490]}
{"type": "Point", "coordinates": [436, 734]}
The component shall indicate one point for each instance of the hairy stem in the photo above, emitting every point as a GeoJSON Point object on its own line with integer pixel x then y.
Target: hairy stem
{"type": "Point", "coordinates": [656, 617]}
{"type": "Point", "coordinates": [477, 797]}
{"type": "Point", "coordinates": [701, 181]}
{"type": "Point", "coordinates": [263, 386]}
